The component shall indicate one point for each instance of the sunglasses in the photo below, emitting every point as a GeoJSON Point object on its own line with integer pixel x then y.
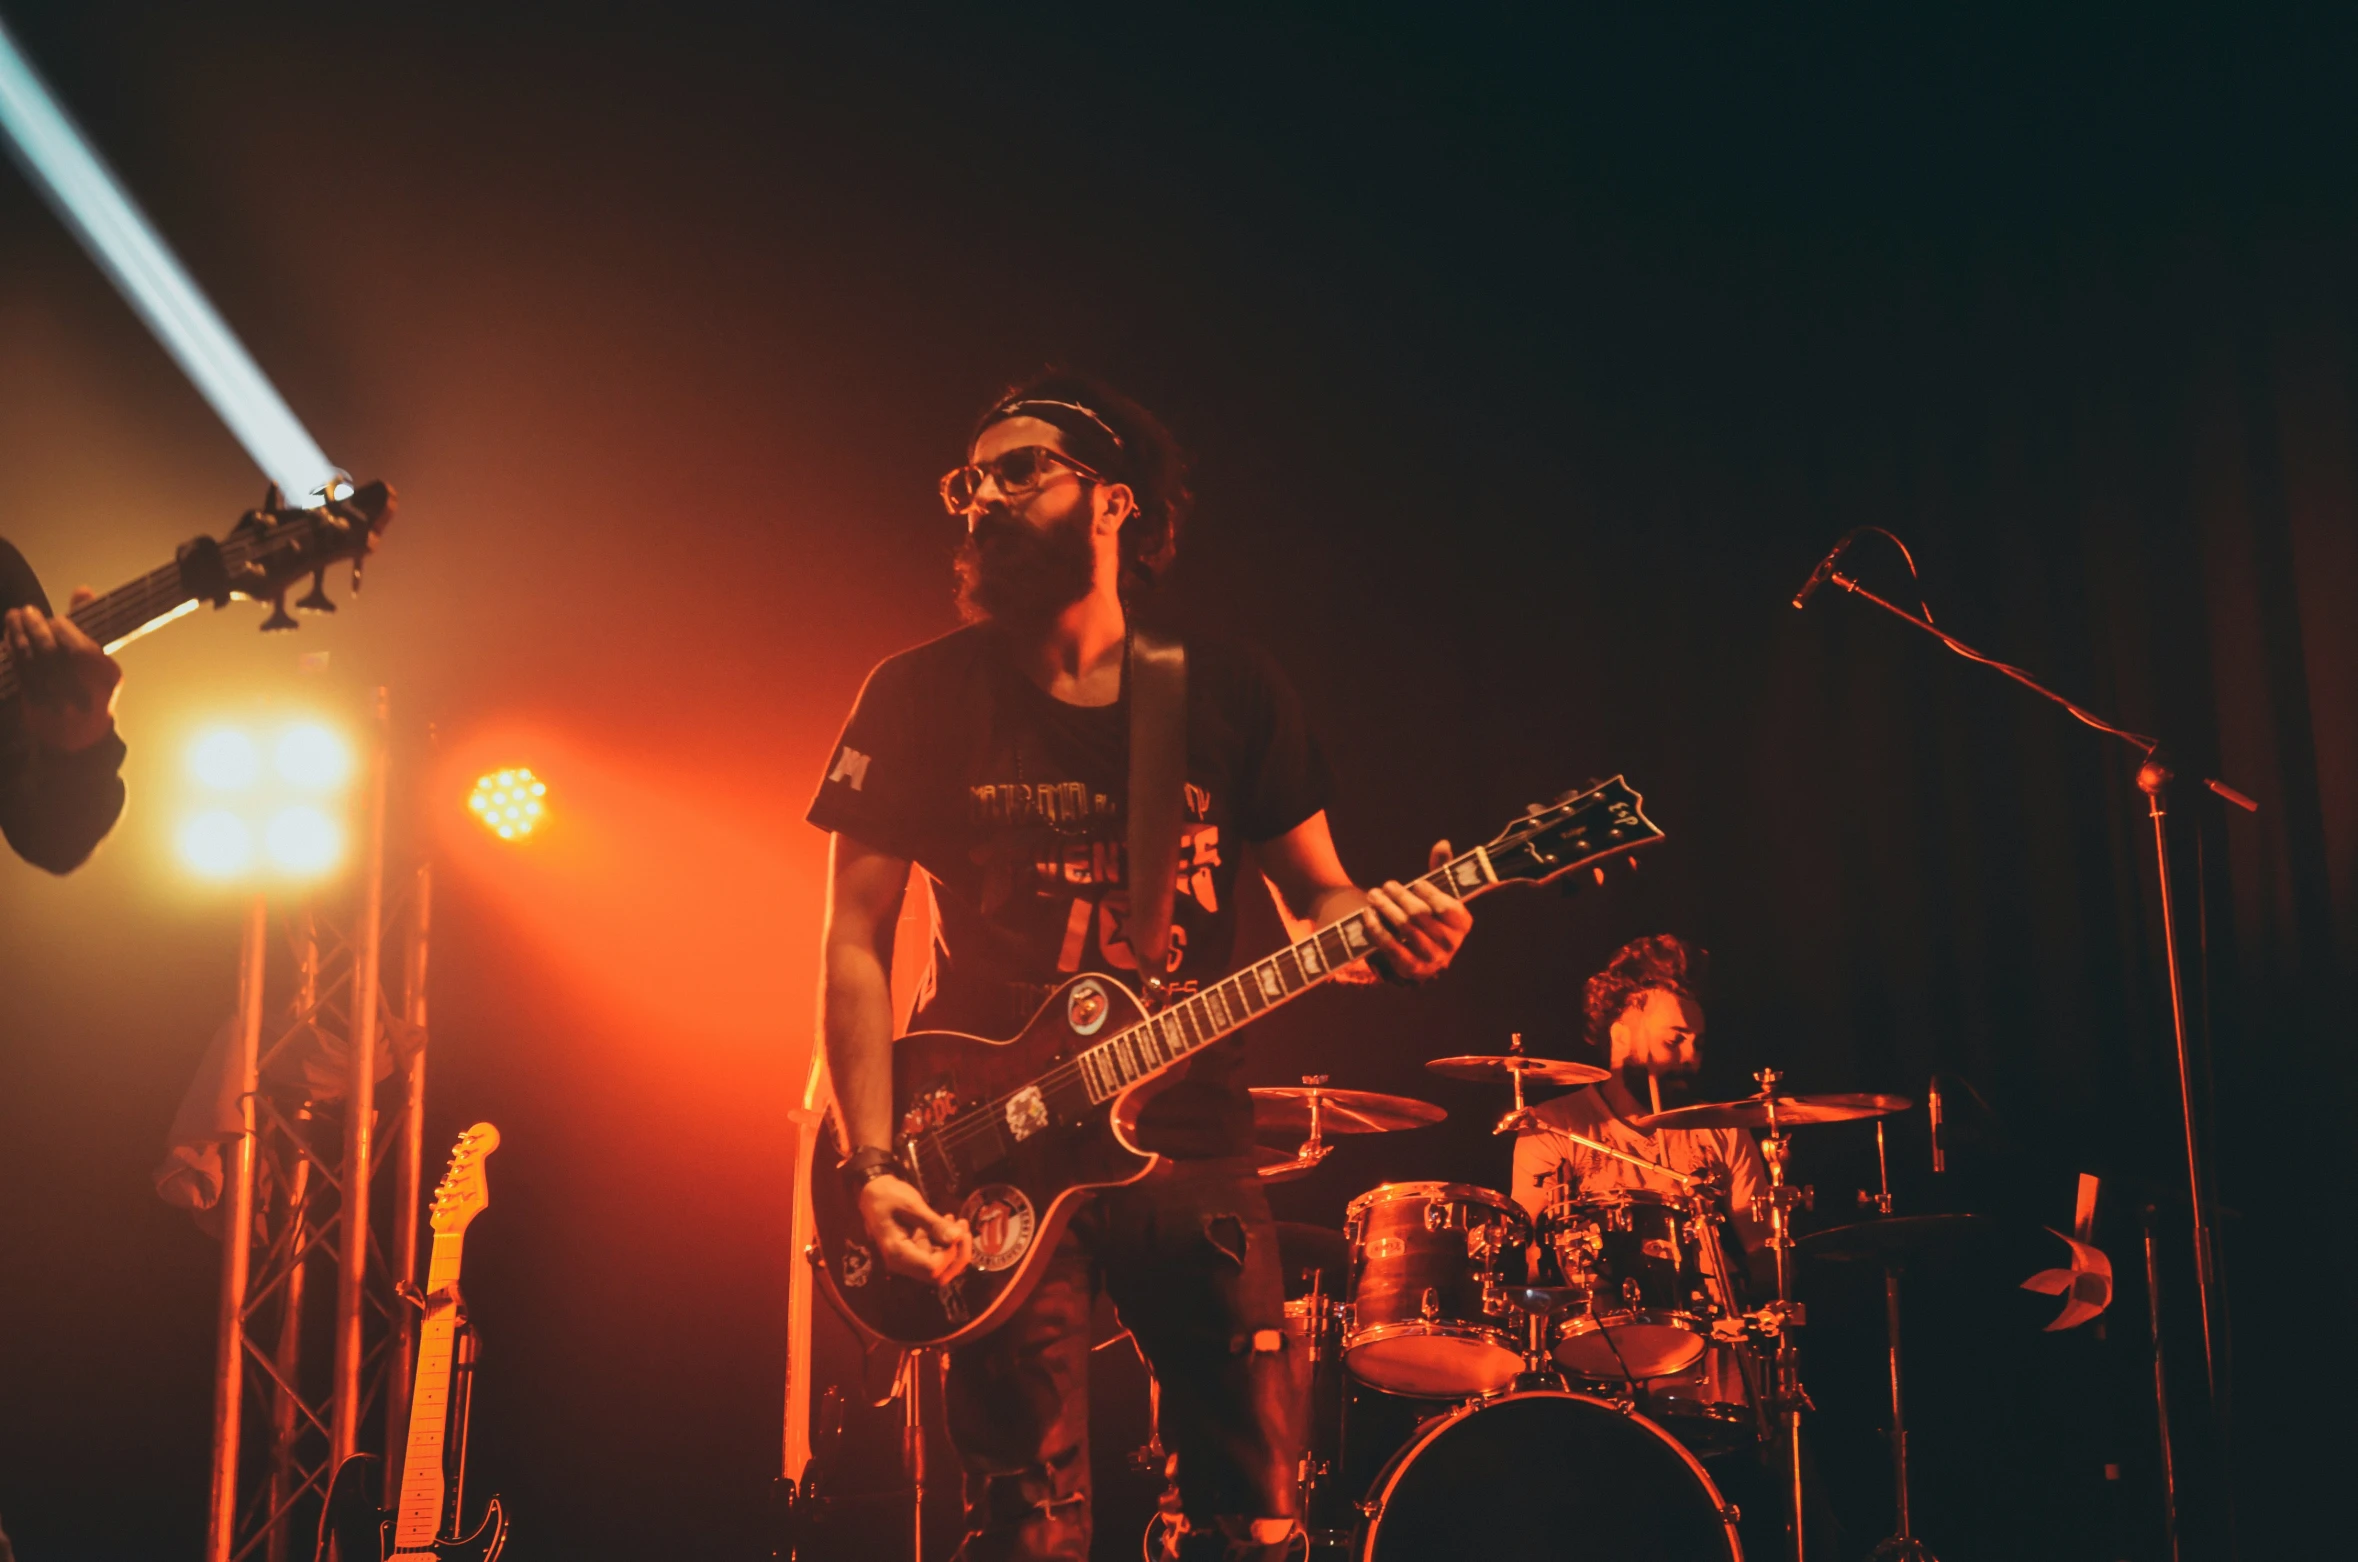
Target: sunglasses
{"type": "Point", "coordinates": [1015, 471]}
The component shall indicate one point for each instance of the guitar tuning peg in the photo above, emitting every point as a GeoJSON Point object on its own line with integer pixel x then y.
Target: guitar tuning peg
{"type": "Point", "coordinates": [356, 563]}
{"type": "Point", "coordinates": [317, 601]}
{"type": "Point", "coordinates": [1535, 808]}
{"type": "Point", "coordinates": [1600, 873]}
{"type": "Point", "coordinates": [1633, 863]}
{"type": "Point", "coordinates": [279, 617]}
{"type": "Point", "coordinates": [272, 499]}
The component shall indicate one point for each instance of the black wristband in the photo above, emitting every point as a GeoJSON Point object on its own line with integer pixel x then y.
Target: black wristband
{"type": "Point", "coordinates": [866, 1165]}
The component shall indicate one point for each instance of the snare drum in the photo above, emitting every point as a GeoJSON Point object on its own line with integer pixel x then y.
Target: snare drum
{"type": "Point", "coordinates": [1638, 1255]}
{"type": "Point", "coordinates": [1426, 1315]}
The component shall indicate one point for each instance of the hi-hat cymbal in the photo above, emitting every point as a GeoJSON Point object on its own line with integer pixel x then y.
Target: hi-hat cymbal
{"type": "Point", "coordinates": [1285, 1109]}
{"type": "Point", "coordinates": [1493, 1067]}
{"type": "Point", "coordinates": [1792, 1112]}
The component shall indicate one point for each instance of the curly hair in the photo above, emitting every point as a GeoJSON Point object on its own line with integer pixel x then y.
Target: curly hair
{"type": "Point", "coordinates": [1663, 963]}
{"type": "Point", "coordinates": [1124, 441]}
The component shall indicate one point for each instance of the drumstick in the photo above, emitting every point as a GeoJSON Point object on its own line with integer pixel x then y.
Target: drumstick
{"type": "Point", "coordinates": [1654, 1088]}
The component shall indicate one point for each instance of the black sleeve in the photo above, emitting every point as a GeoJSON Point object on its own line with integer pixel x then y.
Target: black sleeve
{"type": "Point", "coordinates": [1287, 780]}
{"type": "Point", "coordinates": [872, 788]}
{"type": "Point", "coordinates": [54, 808]}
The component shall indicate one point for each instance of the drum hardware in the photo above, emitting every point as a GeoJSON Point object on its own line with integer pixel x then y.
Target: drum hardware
{"type": "Point", "coordinates": [1315, 1111]}
{"type": "Point", "coordinates": [1890, 1243]}
{"type": "Point", "coordinates": [1879, 1202]}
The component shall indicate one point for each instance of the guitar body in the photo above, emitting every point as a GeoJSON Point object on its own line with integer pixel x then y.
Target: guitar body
{"type": "Point", "coordinates": [356, 1527]}
{"type": "Point", "coordinates": [989, 1134]}
{"type": "Point", "coordinates": [1007, 1135]}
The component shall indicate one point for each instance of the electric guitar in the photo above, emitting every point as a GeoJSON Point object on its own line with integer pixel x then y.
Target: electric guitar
{"type": "Point", "coordinates": [1007, 1135]}
{"type": "Point", "coordinates": [262, 558]}
{"type": "Point", "coordinates": [424, 1522]}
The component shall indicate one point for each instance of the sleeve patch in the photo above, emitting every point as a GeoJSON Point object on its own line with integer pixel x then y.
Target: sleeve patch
{"type": "Point", "coordinates": [852, 767]}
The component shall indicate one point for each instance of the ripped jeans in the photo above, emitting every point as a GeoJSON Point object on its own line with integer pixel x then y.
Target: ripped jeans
{"type": "Point", "coordinates": [1189, 1256]}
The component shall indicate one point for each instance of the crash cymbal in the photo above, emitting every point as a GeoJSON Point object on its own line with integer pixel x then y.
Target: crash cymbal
{"type": "Point", "coordinates": [1491, 1067]}
{"type": "Point", "coordinates": [1792, 1112]}
{"type": "Point", "coordinates": [1895, 1238]}
{"type": "Point", "coordinates": [1285, 1109]}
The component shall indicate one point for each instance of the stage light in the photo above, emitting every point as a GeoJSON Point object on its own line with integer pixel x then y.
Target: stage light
{"type": "Point", "coordinates": [225, 759]}
{"type": "Point", "coordinates": [302, 840]}
{"type": "Point", "coordinates": [144, 270]}
{"type": "Point", "coordinates": [312, 757]}
{"type": "Point", "coordinates": [511, 803]}
{"type": "Point", "coordinates": [249, 819]}
{"type": "Point", "coordinates": [217, 844]}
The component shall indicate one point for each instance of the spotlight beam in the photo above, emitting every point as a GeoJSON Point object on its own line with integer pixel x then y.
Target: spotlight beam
{"type": "Point", "coordinates": [93, 204]}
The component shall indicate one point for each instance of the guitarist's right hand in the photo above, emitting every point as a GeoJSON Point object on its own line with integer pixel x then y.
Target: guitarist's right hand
{"type": "Point", "coordinates": [912, 1238]}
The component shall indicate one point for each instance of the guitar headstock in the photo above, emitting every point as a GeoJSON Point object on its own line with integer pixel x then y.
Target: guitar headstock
{"type": "Point", "coordinates": [463, 1194]}
{"type": "Point", "coordinates": [1582, 827]}
{"type": "Point", "coordinates": [271, 550]}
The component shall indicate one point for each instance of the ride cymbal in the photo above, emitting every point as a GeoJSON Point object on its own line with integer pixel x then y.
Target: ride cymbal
{"type": "Point", "coordinates": [1792, 1112]}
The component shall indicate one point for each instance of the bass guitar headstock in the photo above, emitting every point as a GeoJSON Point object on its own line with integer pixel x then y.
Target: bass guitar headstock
{"type": "Point", "coordinates": [273, 548]}
{"type": "Point", "coordinates": [463, 1193]}
{"type": "Point", "coordinates": [1584, 827]}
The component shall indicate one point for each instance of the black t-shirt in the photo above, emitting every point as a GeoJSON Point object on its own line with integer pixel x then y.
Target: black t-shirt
{"type": "Point", "coordinates": [1016, 802]}
{"type": "Point", "coordinates": [54, 808]}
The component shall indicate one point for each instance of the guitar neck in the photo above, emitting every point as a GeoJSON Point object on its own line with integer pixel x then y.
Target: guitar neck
{"type": "Point", "coordinates": [417, 1519]}
{"type": "Point", "coordinates": [1203, 1017]}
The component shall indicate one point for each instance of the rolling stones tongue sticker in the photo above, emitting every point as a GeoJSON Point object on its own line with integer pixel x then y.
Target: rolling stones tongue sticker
{"type": "Point", "coordinates": [1003, 1224]}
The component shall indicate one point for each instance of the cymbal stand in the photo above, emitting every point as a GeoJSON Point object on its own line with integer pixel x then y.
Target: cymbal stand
{"type": "Point", "coordinates": [1901, 1546]}
{"type": "Point", "coordinates": [1784, 1314]}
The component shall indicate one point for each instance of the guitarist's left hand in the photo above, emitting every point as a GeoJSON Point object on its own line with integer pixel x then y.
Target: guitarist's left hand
{"type": "Point", "coordinates": [1421, 926]}
{"type": "Point", "coordinates": [69, 683]}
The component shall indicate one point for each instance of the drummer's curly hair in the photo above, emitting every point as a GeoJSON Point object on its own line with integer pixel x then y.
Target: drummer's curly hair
{"type": "Point", "coordinates": [1663, 963]}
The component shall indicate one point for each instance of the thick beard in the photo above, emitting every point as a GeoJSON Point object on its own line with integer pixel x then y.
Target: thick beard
{"type": "Point", "coordinates": [1013, 573]}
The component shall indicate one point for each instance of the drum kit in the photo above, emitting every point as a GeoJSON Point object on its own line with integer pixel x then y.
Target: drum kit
{"type": "Point", "coordinates": [1486, 1380]}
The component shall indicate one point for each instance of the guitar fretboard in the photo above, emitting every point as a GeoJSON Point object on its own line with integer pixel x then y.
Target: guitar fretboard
{"type": "Point", "coordinates": [1203, 1017]}
{"type": "Point", "coordinates": [155, 598]}
{"type": "Point", "coordinates": [417, 1520]}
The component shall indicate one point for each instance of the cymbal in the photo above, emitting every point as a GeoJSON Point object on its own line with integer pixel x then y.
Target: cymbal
{"type": "Point", "coordinates": [1792, 1112]}
{"type": "Point", "coordinates": [1285, 1109]}
{"type": "Point", "coordinates": [1893, 1238]}
{"type": "Point", "coordinates": [1485, 1067]}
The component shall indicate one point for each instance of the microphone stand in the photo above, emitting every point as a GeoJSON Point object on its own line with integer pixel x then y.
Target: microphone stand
{"type": "Point", "coordinates": [2153, 779]}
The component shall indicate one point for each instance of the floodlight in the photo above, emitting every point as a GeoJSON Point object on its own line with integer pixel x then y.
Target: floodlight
{"type": "Point", "coordinates": [225, 759]}
{"type": "Point", "coordinates": [302, 840]}
{"type": "Point", "coordinates": [217, 844]}
{"type": "Point", "coordinates": [511, 803]}
{"type": "Point", "coordinates": [312, 757]}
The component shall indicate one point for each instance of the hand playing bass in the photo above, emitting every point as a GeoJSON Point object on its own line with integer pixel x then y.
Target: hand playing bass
{"type": "Point", "coordinates": [69, 683]}
{"type": "Point", "coordinates": [912, 1239]}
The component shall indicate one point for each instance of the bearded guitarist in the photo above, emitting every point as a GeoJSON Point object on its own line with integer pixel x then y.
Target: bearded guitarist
{"type": "Point", "coordinates": [997, 759]}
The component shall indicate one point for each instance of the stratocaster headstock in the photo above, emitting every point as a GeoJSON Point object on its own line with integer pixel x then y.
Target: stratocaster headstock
{"type": "Point", "coordinates": [1584, 827]}
{"type": "Point", "coordinates": [463, 1193]}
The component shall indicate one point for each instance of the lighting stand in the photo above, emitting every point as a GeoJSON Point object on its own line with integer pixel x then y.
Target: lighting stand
{"type": "Point", "coordinates": [296, 1192]}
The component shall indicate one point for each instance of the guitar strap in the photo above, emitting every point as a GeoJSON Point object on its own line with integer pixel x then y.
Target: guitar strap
{"type": "Point", "coordinates": [1158, 778]}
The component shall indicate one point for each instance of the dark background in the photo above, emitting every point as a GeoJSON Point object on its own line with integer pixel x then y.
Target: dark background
{"type": "Point", "coordinates": [1530, 364]}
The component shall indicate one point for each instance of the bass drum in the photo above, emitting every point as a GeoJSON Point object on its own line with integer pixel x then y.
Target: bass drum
{"type": "Point", "coordinates": [1542, 1477]}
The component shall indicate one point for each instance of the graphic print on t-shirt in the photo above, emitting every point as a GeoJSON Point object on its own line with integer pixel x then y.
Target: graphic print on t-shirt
{"type": "Point", "coordinates": [1016, 804]}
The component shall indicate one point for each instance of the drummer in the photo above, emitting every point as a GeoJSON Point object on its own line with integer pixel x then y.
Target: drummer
{"type": "Point", "coordinates": [1645, 1009]}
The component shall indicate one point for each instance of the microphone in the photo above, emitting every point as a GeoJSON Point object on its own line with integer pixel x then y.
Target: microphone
{"type": "Point", "coordinates": [1940, 1152]}
{"type": "Point", "coordinates": [1817, 577]}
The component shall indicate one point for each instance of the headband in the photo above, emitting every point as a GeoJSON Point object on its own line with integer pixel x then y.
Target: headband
{"type": "Point", "coordinates": [1091, 437]}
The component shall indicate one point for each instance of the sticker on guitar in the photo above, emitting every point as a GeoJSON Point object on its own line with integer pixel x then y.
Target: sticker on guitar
{"type": "Point", "coordinates": [1003, 1223]}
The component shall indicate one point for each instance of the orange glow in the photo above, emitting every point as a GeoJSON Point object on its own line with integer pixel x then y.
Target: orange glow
{"type": "Point", "coordinates": [511, 803]}
{"type": "Point", "coordinates": [685, 917]}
